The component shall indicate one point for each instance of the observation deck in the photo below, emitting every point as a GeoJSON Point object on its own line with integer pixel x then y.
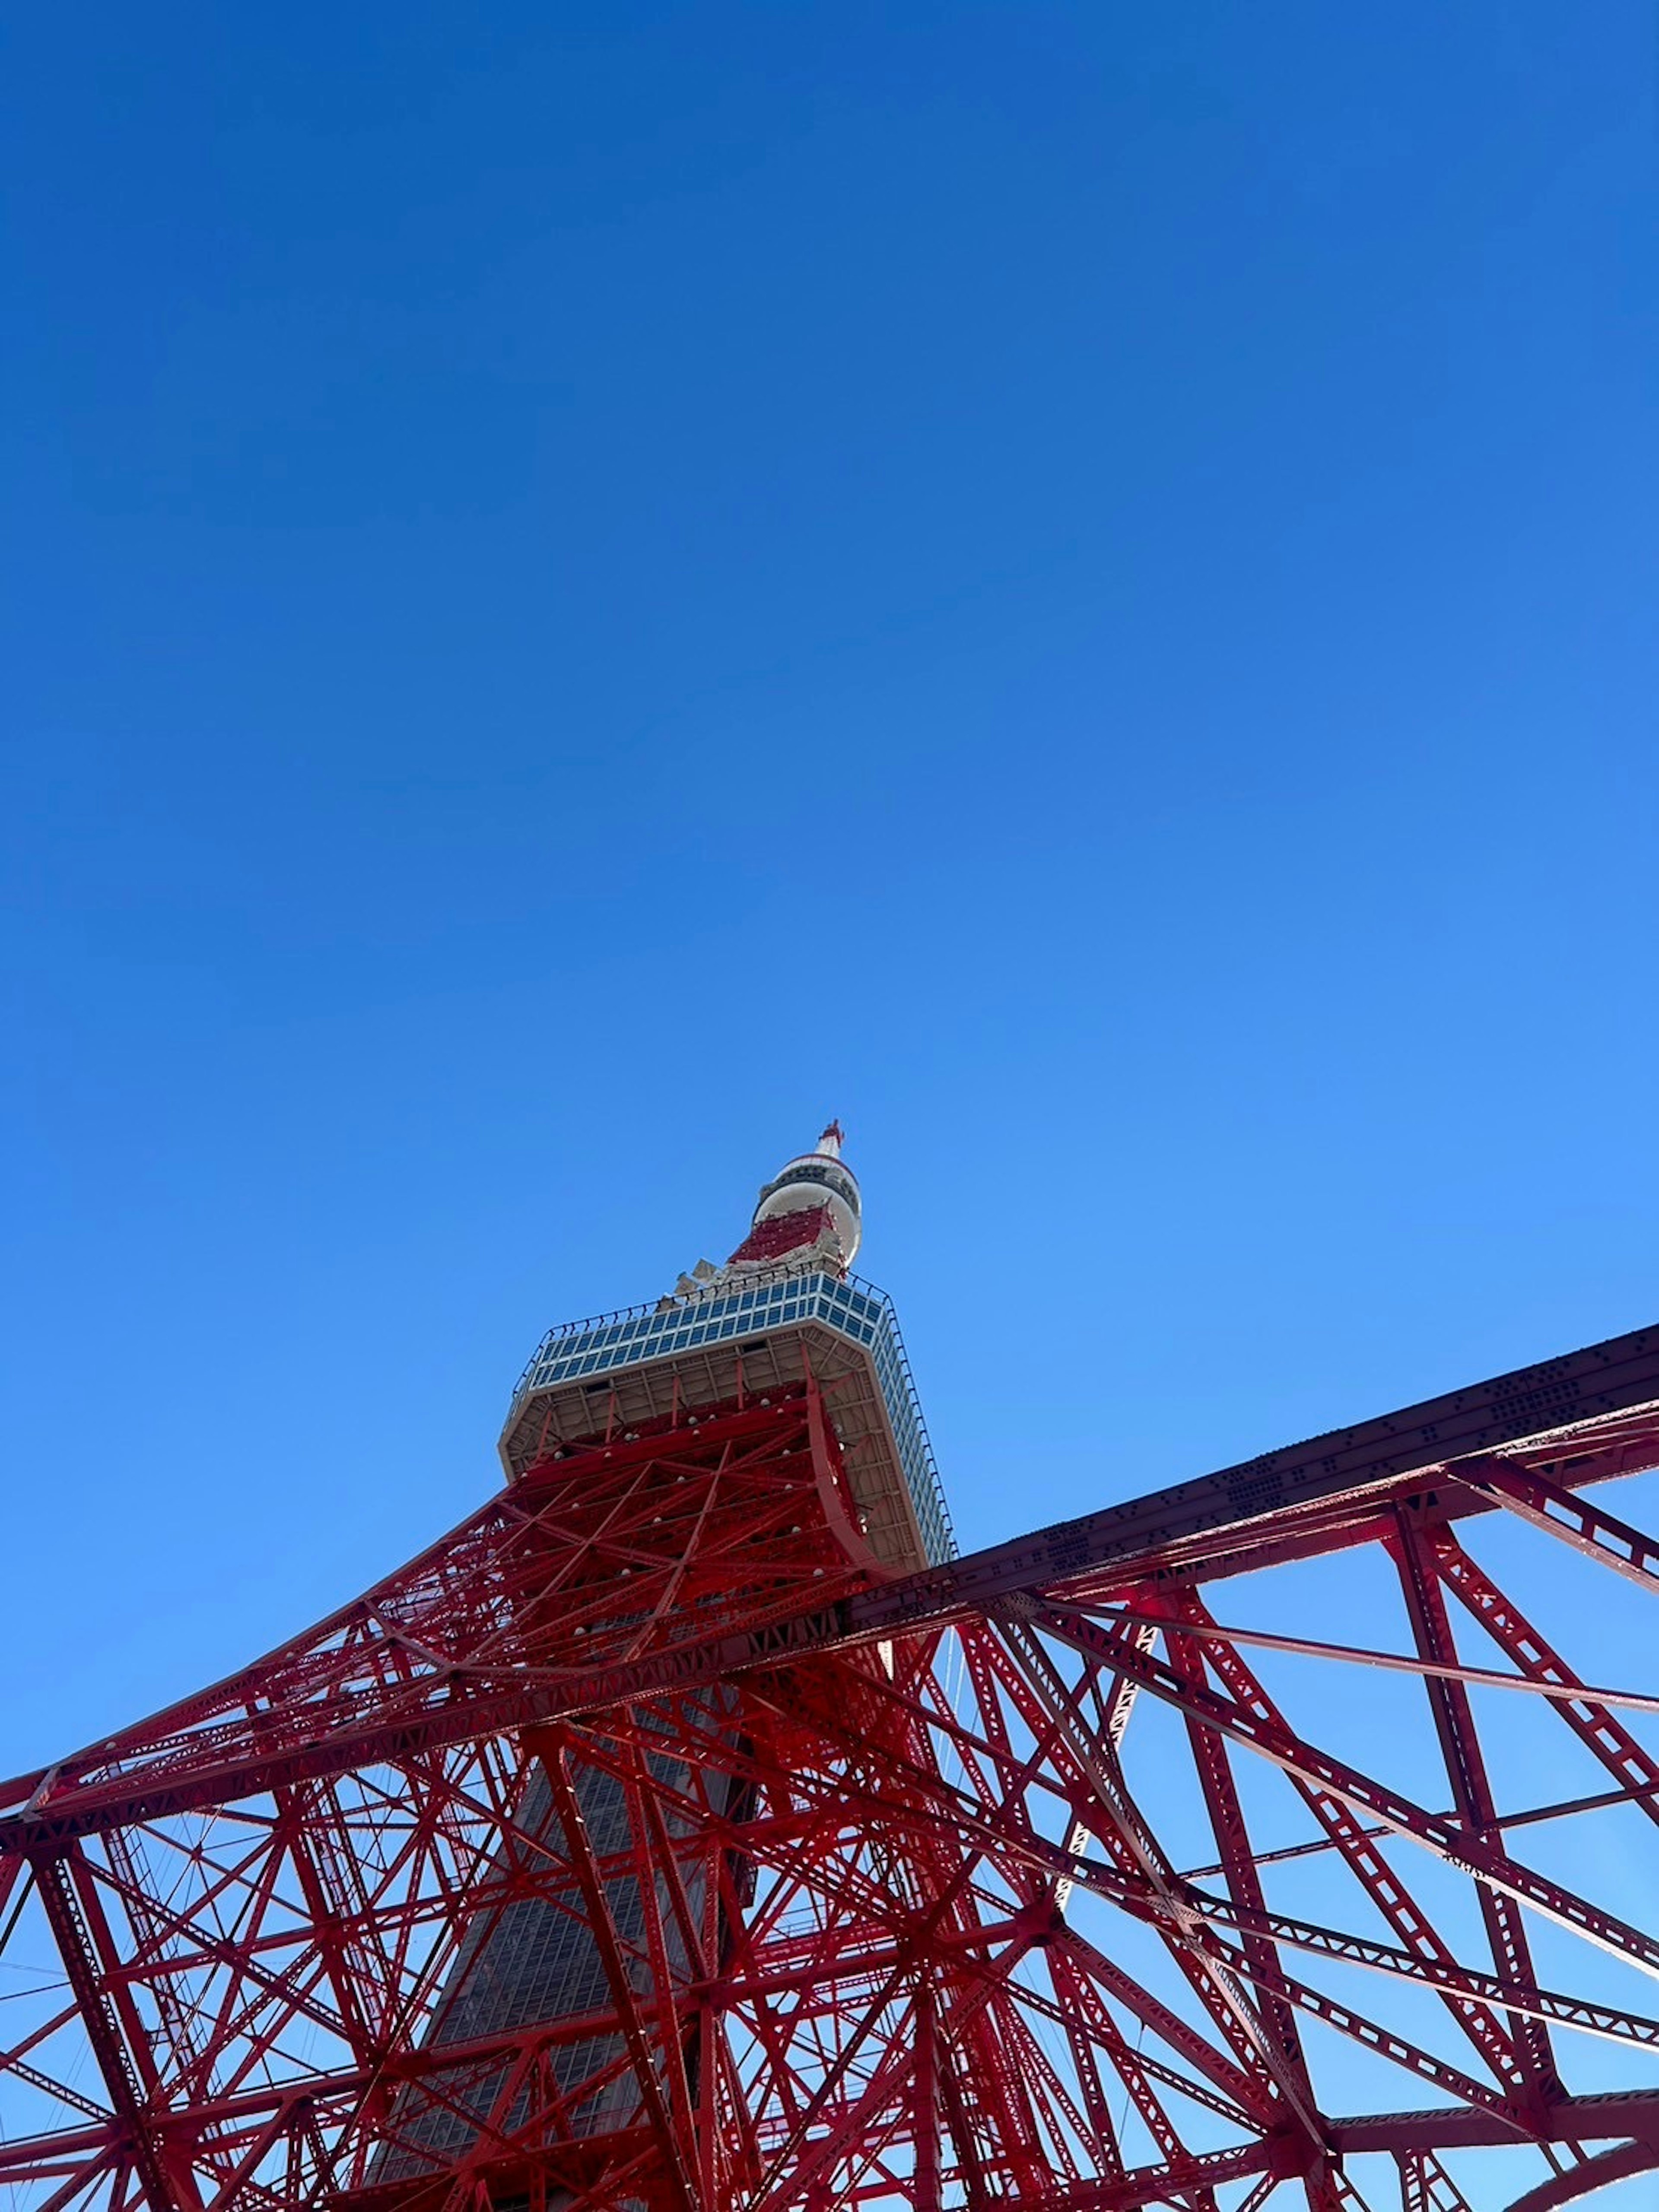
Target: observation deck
{"type": "Point", "coordinates": [744, 1334]}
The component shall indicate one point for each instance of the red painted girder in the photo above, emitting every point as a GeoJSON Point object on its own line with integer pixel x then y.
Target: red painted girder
{"type": "Point", "coordinates": [1238, 2088]}
{"type": "Point", "coordinates": [1553, 1506]}
{"type": "Point", "coordinates": [1352, 1517]}
{"type": "Point", "coordinates": [1570, 2119]}
{"type": "Point", "coordinates": [1146, 2185]}
{"type": "Point", "coordinates": [1445, 1837]}
{"type": "Point", "coordinates": [1609, 2022]}
{"type": "Point", "coordinates": [1088, 2021]}
{"type": "Point", "coordinates": [1004, 1830]}
{"type": "Point", "coordinates": [1471, 1789]}
{"type": "Point", "coordinates": [1379, 1880]}
{"type": "Point", "coordinates": [1617, 2164]}
{"type": "Point", "coordinates": [629, 2006]}
{"type": "Point", "coordinates": [1343, 2018]}
{"type": "Point", "coordinates": [1583, 1707]}
{"type": "Point", "coordinates": [1007, 2067]}
{"type": "Point", "coordinates": [117, 2040]}
{"type": "Point", "coordinates": [1560, 1688]}
{"type": "Point", "coordinates": [1144, 1900]}
{"type": "Point", "coordinates": [1181, 1922]}
{"type": "Point", "coordinates": [1554, 1414]}
{"type": "Point", "coordinates": [1426, 2186]}
{"type": "Point", "coordinates": [1598, 1434]}
{"type": "Point", "coordinates": [1559, 1808]}
{"type": "Point", "coordinates": [333, 2095]}
{"type": "Point", "coordinates": [836, 1964]}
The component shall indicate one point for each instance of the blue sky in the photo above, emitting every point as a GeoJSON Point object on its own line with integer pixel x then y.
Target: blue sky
{"type": "Point", "coordinates": [591, 585]}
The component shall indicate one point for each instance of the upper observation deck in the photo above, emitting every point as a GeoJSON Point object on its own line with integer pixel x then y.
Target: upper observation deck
{"type": "Point", "coordinates": [743, 1331]}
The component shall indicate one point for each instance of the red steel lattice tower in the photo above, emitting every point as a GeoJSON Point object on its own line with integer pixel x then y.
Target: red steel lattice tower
{"type": "Point", "coordinates": [692, 1828]}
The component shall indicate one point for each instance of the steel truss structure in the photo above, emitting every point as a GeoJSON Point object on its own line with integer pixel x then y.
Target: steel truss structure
{"type": "Point", "coordinates": [1282, 1838]}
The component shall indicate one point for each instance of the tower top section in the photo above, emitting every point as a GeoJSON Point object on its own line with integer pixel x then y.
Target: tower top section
{"type": "Point", "coordinates": [784, 1311]}
{"type": "Point", "coordinates": [812, 1206]}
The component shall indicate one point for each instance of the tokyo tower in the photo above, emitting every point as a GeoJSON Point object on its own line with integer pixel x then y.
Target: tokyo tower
{"type": "Point", "coordinates": [693, 1828]}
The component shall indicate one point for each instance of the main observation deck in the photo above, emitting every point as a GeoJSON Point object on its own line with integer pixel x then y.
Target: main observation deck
{"type": "Point", "coordinates": [746, 1334]}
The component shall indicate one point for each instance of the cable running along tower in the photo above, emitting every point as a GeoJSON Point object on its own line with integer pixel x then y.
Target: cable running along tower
{"type": "Point", "coordinates": [692, 1828]}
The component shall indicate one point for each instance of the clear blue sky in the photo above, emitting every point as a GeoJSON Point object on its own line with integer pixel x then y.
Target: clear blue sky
{"type": "Point", "coordinates": [591, 585]}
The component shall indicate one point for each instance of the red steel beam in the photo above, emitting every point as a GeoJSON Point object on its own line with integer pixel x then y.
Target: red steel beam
{"type": "Point", "coordinates": [1572, 1415]}
{"type": "Point", "coordinates": [1601, 1405]}
{"type": "Point", "coordinates": [1569, 2119]}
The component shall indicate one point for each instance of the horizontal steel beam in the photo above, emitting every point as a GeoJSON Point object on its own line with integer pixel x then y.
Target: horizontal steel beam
{"type": "Point", "coordinates": [1589, 1417]}
{"type": "Point", "coordinates": [1561, 1412]}
{"type": "Point", "coordinates": [1571, 2119]}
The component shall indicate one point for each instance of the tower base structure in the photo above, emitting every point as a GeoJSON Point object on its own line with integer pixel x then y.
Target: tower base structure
{"type": "Point", "coordinates": [1283, 1838]}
